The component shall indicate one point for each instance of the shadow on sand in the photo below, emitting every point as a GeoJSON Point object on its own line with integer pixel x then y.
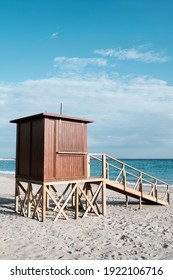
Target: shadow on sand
{"type": "Point", "coordinates": [7, 206]}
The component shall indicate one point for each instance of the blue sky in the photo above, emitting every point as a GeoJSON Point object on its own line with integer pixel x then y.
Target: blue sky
{"type": "Point", "coordinates": [107, 60]}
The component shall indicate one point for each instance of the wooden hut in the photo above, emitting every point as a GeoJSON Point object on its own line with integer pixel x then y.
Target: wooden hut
{"type": "Point", "coordinates": [51, 147]}
{"type": "Point", "coordinates": [51, 150]}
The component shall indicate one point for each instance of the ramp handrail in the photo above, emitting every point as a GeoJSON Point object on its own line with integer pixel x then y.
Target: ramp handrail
{"type": "Point", "coordinates": [130, 176]}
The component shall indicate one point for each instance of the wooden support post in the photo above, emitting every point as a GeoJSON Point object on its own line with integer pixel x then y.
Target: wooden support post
{"type": "Point", "coordinates": [140, 202]}
{"type": "Point", "coordinates": [88, 193]}
{"type": "Point", "coordinates": [155, 188]}
{"type": "Point", "coordinates": [127, 201]}
{"type": "Point", "coordinates": [152, 190]}
{"type": "Point", "coordinates": [104, 198]}
{"type": "Point", "coordinates": [76, 203]}
{"type": "Point", "coordinates": [168, 195]}
{"type": "Point", "coordinates": [23, 202]}
{"type": "Point", "coordinates": [29, 200]}
{"type": "Point", "coordinates": [156, 192]}
{"type": "Point", "coordinates": [73, 197]}
{"type": "Point", "coordinates": [73, 200]}
{"type": "Point", "coordinates": [140, 184]}
{"type": "Point", "coordinates": [37, 201]}
{"type": "Point", "coordinates": [124, 177]}
{"type": "Point", "coordinates": [104, 166]}
{"type": "Point", "coordinates": [43, 203]}
{"type": "Point", "coordinates": [16, 197]}
{"type": "Point", "coordinates": [47, 199]}
{"type": "Point", "coordinates": [107, 170]}
{"type": "Point", "coordinates": [141, 190]}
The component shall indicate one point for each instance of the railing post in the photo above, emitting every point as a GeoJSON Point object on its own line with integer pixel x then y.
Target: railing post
{"type": "Point", "coordinates": [141, 190]}
{"type": "Point", "coordinates": [104, 166]}
{"type": "Point", "coordinates": [155, 187]}
{"type": "Point", "coordinates": [140, 183]}
{"type": "Point", "coordinates": [124, 176]}
{"type": "Point", "coordinates": [16, 197]}
{"type": "Point", "coordinates": [104, 198]}
{"type": "Point", "coordinates": [107, 170]}
{"type": "Point", "coordinates": [76, 203]}
{"type": "Point", "coordinates": [168, 195]}
{"type": "Point", "coordinates": [156, 192]}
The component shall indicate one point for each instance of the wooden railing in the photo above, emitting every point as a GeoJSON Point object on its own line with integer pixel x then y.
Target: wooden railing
{"type": "Point", "coordinates": [102, 165]}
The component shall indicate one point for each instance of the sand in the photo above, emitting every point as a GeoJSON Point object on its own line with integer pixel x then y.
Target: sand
{"type": "Point", "coordinates": [124, 234]}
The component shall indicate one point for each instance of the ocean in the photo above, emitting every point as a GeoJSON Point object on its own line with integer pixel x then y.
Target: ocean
{"type": "Point", "coordinates": [159, 168]}
{"type": "Point", "coordinates": [7, 166]}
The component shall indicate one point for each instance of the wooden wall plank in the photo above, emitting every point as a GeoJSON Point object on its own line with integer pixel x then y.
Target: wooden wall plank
{"type": "Point", "coordinates": [72, 137]}
{"type": "Point", "coordinates": [49, 149]}
{"type": "Point", "coordinates": [37, 149]}
{"type": "Point", "coordinates": [71, 166]}
{"type": "Point", "coordinates": [23, 150]}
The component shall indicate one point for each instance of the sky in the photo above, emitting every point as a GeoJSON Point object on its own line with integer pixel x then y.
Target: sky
{"type": "Point", "coordinates": [109, 61]}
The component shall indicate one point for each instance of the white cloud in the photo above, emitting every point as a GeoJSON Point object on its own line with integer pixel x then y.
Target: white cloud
{"type": "Point", "coordinates": [131, 112]}
{"type": "Point", "coordinates": [137, 110]}
{"type": "Point", "coordinates": [2, 102]}
{"type": "Point", "coordinates": [54, 35]}
{"type": "Point", "coordinates": [138, 54]}
{"type": "Point", "coordinates": [77, 62]}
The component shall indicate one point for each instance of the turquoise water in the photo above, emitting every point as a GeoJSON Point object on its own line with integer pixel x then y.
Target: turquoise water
{"type": "Point", "coordinates": [7, 166]}
{"type": "Point", "coordinates": [159, 168]}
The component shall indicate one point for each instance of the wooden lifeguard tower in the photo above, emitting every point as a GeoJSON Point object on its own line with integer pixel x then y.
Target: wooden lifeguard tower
{"type": "Point", "coordinates": [51, 150]}
{"type": "Point", "coordinates": [53, 171]}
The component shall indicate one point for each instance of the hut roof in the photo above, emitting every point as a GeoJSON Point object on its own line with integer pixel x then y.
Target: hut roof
{"type": "Point", "coordinates": [53, 116]}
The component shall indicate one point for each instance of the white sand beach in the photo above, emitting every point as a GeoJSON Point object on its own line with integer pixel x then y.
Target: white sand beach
{"type": "Point", "coordinates": [125, 233]}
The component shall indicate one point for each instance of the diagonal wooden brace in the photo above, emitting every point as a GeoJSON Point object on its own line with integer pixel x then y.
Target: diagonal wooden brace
{"type": "Point", "coordinates": [61, 197]}
{"type": "Point", "coordinates": [90, 202]}
{"type": "Point", "coordinates": [56, 203]}
{"type": "Point", "coordinates": [37, 203]}
{"type": "Point", "coordinates": [66, 201]}
{"type": "Point", "coordinates": [93, 201]}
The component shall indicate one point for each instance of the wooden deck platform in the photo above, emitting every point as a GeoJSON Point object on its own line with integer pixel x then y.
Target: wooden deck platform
{"type": "Point", "coordinates": [37, 200]}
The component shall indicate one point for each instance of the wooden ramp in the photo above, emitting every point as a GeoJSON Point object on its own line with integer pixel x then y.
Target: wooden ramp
{"type": "Point", "coordinates": [129, 192]}
{"type": "Point", "coordinates": [131, 182]}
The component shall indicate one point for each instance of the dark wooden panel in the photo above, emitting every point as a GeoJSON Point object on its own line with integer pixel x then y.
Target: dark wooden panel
{"type": "Point", "coordinates": [49, 149]}
{"type": "Point", "coordinates": [70, 166]}
{"type": "Point", "coordinates": [23, 149]}
{"type": "Point", "coordinates": [72, 137]}
{"type": "Point", "coordinates": [37, 148]}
